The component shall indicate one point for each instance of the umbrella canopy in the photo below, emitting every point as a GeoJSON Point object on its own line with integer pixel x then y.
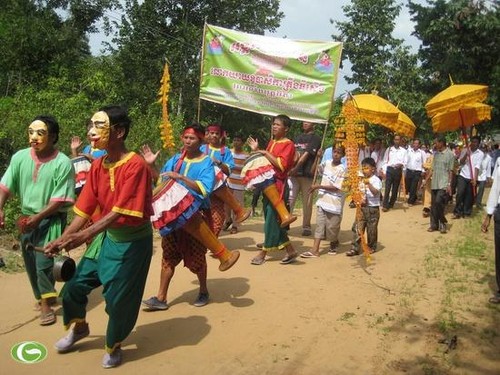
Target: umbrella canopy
{"type": "Point", "coordinates": [465, 116]}
{"type": "Point", "coordinates": [377, 110]}
{"type": "Point", "coordinates": [405, 125]}
{"type": "Point", "coordinates": [454, 97]}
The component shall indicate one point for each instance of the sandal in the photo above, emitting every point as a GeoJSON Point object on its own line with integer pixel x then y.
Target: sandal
{"type": "Point", "coordinates": [48, 318]}
{"type": "Point", "coordinates": [352, 252]}
{"type": "Point", "coordinates": [289, 258]}
{"type": "Point", "coordinates": [309, 254]}
{"type": "Point", "coordinates": [258, 261]}
{"type": "Point", "coordinates": [494, 300]}
{"type": "Point", "coordinates": [233, 230]}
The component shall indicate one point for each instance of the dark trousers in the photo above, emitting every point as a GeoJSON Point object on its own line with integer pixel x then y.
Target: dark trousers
{"type": "Point", "coordinates": [480, 192]}
{"type": "Point", "coordinates": [439, 198]}
{"type": "Point", "coordinates": [496, 219]}
{"type": "Point", "coordinates": [464, 199]}
{"type": "Point", "coordinates": [392, 181]}
{"type": "Point", "coordinates": [368, 221]}
{"type": "Point", "coordinates": [411, 181]}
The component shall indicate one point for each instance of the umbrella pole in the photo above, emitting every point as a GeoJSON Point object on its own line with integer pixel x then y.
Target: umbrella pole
{"type": "Point", "coordinates": [469, 159]}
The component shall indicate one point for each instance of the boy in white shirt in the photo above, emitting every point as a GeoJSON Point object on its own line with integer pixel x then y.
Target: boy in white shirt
{"type": "Point", "coordinates": [329, 204]}
{"type": "Point", "coordinates": [370, 187]}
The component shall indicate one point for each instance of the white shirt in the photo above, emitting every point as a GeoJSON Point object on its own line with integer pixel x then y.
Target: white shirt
{"type": "Point", "coordinates": [485, 170]}
{"type": "Point", "coordinates": [378, 156]}
{"type": "Point", "coordinates": [394, 156]}
{"type": "Point", "coordinates": [494, 196]}
{"type": "Point", "coordinates": [415, 159]}
{"type": "Point", "coordinates": [371, 200]}
{"type": "Point", "coordinates": [476, 159]}
{"type": "Point", "coordinates": [332, 201]}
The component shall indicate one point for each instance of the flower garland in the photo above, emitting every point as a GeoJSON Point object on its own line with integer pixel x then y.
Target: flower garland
{"type": "Point", "coordinates": [354, 135]}
{"type": "Point", "coordinates": [166, 131]}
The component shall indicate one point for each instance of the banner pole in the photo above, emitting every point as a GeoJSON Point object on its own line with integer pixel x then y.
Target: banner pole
{"type": "Point", "coordinates": [201, 68]}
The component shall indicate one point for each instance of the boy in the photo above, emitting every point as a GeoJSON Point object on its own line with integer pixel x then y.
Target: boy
{"type": "Point", "coordinates": [370, 186]}
{"type": "Point", "coordinates": [330, 203]}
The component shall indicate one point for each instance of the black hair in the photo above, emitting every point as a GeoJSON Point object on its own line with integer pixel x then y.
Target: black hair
{"type": "Point", "coordinates": [196, 126]}
{"type": "Point", "coordinates": [52, 125]}
{"type": "Point", "coordinates": [284, 119]}
{"type": "Point", "coordinates": [238, 135]}
{"type": "Point", "coordinates": [370, 162]}
{"type": "Point", "coordinates": [476, 137]}
{"type": "Point", "coordinates": [341, 148]}
{"type": "Point", "coordinates": [118, 117]}
{"type": "Point", "coordinates": [441, 140]}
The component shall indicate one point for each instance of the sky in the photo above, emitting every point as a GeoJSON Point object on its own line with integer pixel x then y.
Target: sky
{"type": "Point", "coordinates": [310, 20]}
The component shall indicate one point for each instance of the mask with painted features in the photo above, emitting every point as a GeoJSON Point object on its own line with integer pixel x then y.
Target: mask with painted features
{"type": "Point", "coordinates": [99, 130]}
{"type": "Point", "coordinates": [38, 134]}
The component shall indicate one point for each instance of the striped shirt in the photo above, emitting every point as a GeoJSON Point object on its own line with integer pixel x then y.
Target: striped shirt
{"type": "Point", "coordinates": [235, 180]}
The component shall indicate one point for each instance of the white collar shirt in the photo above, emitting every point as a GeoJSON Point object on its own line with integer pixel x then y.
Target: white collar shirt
{"type": "Point", "coordinates": [415, 159]}
{"type": "Point", "coordinates": [476, 159]}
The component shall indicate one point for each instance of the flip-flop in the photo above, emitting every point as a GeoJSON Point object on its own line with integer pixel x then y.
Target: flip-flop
{"type": "Point", "coordinates": [289, 259]}
{"type": "Point", "coordinates": [309, 254]}
{"type": "Point", "coordinates": [48, 318]}
{"type": "Point", "coordinates": [494, 300]}
{"type": "Point", "coordinates": [258, 261]}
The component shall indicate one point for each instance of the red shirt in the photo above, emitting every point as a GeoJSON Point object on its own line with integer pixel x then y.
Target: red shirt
{"type": "Point", "coordinates": [124, 187]}
{"type": "Point", "coordinates": [284, 151]}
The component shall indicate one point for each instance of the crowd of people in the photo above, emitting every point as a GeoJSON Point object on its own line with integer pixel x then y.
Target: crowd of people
{"type": "Point", "coordinates": [114, 203]}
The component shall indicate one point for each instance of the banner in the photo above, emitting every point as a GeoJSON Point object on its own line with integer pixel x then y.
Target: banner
{"type": "Point", "coordinates": [269, 75]}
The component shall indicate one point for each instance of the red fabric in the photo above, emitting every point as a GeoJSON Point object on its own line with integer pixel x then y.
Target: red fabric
{"type": "Point", "coordinates": [284, 151]}
{"type": "Point", "coordinates": [124, 187]}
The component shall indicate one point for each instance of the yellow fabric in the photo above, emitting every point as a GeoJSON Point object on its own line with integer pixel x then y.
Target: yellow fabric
{"type": "Point", "coordinates": [455, 97]}
{"type": "Point", "coordinates": [467, 115]}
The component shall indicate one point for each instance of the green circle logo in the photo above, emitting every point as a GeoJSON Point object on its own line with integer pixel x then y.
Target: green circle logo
{"type": "Point", "coordinates": [29, 352]}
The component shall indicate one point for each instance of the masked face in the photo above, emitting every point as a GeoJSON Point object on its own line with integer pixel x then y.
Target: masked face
{"type": "Point", "coordinates": [38, 135]}
{"type": "Point", "coordinates": [99, 130]}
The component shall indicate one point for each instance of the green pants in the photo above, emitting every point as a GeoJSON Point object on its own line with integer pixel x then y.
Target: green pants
{"type": "Point", "coordinates": [39, 267]}
{"type": "Point", "coordinates": [121, 268]}
{"type": "Point", "coordinates": [275, 237]}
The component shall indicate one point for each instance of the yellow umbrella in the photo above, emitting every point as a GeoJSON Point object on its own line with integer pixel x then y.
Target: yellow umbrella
{"type": "Point", "coordinates": [465, 116]}
{"type": "Point", "coordinates": [405, 125]}
{"type": "Point", "coordinates": [454, 97]}
{"type": "Point", "coordinates": [377, 110]}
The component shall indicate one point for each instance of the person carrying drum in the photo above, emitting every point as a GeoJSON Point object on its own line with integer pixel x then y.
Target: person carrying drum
{"type": "Point", "coordinates": [280, 152]}
{"type": "Point", "coordinates": [43, 179]}
{"type": "Point", "coordinates": [120, 183]}
{"type": "Point", "coordinates": [195, 171]}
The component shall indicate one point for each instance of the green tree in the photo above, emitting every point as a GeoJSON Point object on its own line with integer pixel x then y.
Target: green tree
{"type": "Point", "coordinates": [460, 39]}
{"type": "Point", "coordinates": [152, 32]}
{"type": "Point", "coordinates": [380, 61]}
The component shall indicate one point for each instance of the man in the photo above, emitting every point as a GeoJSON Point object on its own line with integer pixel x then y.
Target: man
{"type": "Point", "coordinates": [307, 145]}
{"type": "Point", "coordinates": [394, 162]}
{"type": "Point", "coordinates": [492, 208]}
{"type": "Point", "coordinates": [235, 181]}
{"type": "Point", "coordinates": [443, 164]}
{"type": "Point", "coordinates": [120, 186]}
{"type": "Point", "coordinates": [377, 154]}
{"type": "Point", "coordinates": [414, 168]}
{"type": "Point", "coordinates": [43, 178]}
{"type": "Point", "coordinates": [222, 158]}
{"type": "Point", "coordinates": [470, 163]}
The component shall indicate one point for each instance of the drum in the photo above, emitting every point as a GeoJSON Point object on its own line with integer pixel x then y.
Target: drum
{"type": "Point", "coordinates": [173, 206]}
{"type": "Point", "coordinates": [258, 172]}
{"type": "Point", "coordinates": [82, 167]}
{"type": "Point", "coordinates": [220, 177]}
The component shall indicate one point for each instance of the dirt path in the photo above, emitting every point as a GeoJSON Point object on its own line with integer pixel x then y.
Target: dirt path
{"type": "Point", "coordinates": [331, 315]}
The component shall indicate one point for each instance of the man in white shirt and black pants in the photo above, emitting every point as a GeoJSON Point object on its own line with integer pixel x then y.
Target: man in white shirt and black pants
{"type": "Point", "coordinates": [395, 161]}
{"type": "Point", "coordinates": [414, 168]}
{"type": "Point", "coordinates": [467, 178]}
{"type": "Point", "coordinates": [493, 209]}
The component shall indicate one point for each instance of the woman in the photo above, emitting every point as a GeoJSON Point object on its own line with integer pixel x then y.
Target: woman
{"type": "Point", "coordinates": [280, 152]}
